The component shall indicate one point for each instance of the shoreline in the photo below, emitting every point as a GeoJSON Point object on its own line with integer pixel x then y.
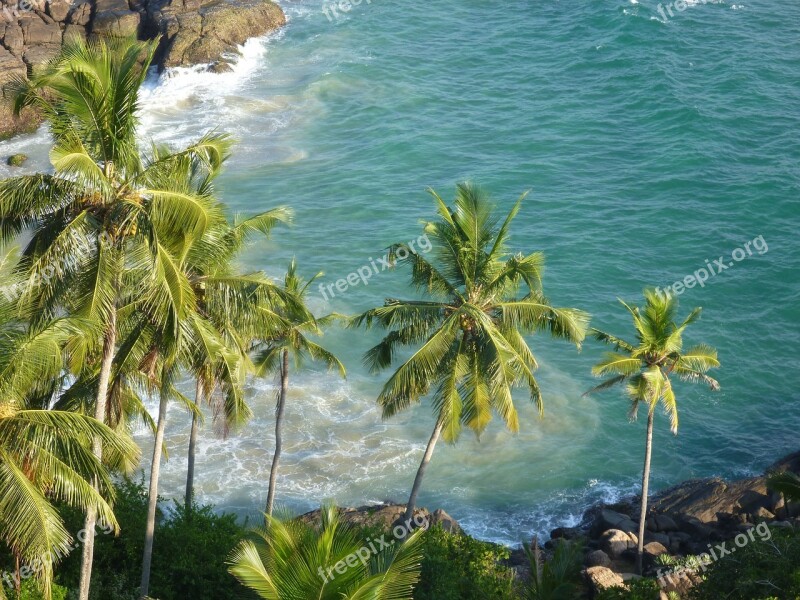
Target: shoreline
{"type": "Point", "coordinates": [191, 33]}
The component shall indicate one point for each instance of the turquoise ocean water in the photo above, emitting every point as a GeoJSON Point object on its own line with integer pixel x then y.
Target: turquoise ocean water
{"type": "Point", "coordinates": [648, 146]}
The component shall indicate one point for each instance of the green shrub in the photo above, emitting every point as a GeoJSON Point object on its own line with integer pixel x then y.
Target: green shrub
{"type": "Point", "coordinates": [557, 578]}
{"type": "Point", "coordinates": [188, 557]}
{"type": "Point", "coordinates": [458, 567]}
{"type": "Point", "coordinates": [760, 570]}
{"type": "Point", "coordinates": [639, 589]}
{"type": "Point", "coordinates": [30, 591]}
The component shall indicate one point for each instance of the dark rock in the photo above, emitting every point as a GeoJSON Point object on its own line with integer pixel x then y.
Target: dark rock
{"type": "Point", "coordinates": [597, 558]}
{"type": "Point", "coordinates": [694, 527]}
{"type": "Point", "coordinates": [609, 519]}
{"type": "Point", "coordinates": [195, 32]}
{"type": "Point", "coordinates": [661, 523]}
{"type": "Point", "coordinates": [567, 533]}
{"type": "Point", "coordinates": [17, 160]}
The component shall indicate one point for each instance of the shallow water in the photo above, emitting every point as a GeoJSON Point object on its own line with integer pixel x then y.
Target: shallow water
{"type": "Point", "coordinates": [649, 147]}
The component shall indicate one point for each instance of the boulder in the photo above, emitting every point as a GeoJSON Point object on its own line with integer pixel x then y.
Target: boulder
{"type": "Point", "coordinates": [661, 538]}
{"type": "Point", "coordinates": [704, 498]}
{"type": "Point", "coordinates": [36, 31]}
{"type": "Point", "coordinates": [762, 514]}
{"type": "Point", "coordinates": [566, 533]}
{"type": "Point", "coordinates": [80, 14]}
{"type": "Point", "coordinates": [661, 524]}
{"type": "Point", "coordinates": [609, 519]}
{"type": "Point", "coordinates": [214, 30]}
{"type": "Point", "coordinates": [597, 558]}
{"type": "Point", "coordinates": [58, 9]}
{"type": "Point", "coordinates": [601, 578]}
{"type": "Point", "coordinates": [16, 160]}
{"type": "Point", "coordinates": [11, 68]}
{"type": "Point", "coordinates": [654, 549]}
{"type": "Point", "coordinates": [118, 22]}
{"type": "Point", "coordinates": [615, 542]}
{"type": "Point", "coordinates": [448, 523]}
{"type": "Point", "coordinates": [36, 56]}
{"type": "Point", "coordinates": [12, 39]}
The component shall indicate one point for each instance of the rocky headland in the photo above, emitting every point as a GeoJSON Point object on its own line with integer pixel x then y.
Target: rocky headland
{"type": "Point", "coordinates": [683, 520]}
{"type": "Point", "coordinates": [190, 32]}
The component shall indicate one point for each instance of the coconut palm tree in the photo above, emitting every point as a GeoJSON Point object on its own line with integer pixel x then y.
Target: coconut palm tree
{"type": "Point", "coordinates": [291, 560]}
{"type": "Point", "coordinates": [480, 302]}
{"type": "Point", "coordinates": [236, 305]}
{"type": "Point", "coordinates": [645, 367]}
{"type": "Point", "coordinates": [47, 455]}
{"type": "Point", "coordinates": [274, 352]}
{"type": "Point", "coordinates": [100, 221]}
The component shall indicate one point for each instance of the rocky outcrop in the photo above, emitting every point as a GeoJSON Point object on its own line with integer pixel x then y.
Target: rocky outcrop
{"type": "Point", "coordinates": [685, 519]}
{"type": "Point", "coordinates": [190, 32]}
{"type": "Point", "coordinates": [388, 515]}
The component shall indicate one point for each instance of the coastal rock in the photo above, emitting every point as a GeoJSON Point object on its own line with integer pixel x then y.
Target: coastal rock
{"type": "Point", "coordinates": [16, 160]}
{"type": "Point", "coordinates": [194, 32]}
{"type": "Point", "coordinates": [601, 578]}
{"type": "Point", "coordinates": [661, 524]}
{"type": "Point", "coordinates": [610, 519]}
{"type": "Point", "coordinates": [567, 533]}
{"type": "Point", "coordinates": [387, 516]}
{"type": "Point", "coordinates": [597, 558]}
{"type": "Point", "coordinates": [448, 523]}
{"type": "Point", "coordinates": [615, 542]}
{"type": "Point", "coordinates": [704, 498]}
{"type": "Point", "coordinates": [211, 32]}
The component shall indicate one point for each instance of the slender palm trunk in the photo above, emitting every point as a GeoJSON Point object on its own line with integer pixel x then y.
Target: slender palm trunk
{"type": "Point", "coordinates": [198, 399]}
{"type": "Point", "coordinates": [426, 458]}
{"type": "Point", "coordinates": [648, 450]}
{"type": "Point", "coordinates": [153, 496]}
{"type": "Point", "coordinates": [273, 474]}
{"type": "Point", "coordinates": [109, 345]}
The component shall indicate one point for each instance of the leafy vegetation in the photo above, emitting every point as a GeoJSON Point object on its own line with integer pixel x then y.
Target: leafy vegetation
{"type": "Point", "coordinates": [557, 578]}
{"type": "Point", "coordinates": [764, 570]}
{"type": "Point", "coordinates": [291, 560]}
{"type": "Point", "coordinates": [189, 559]}
{"type": "Point", "coordinates": [461, 567]}
{"type": "Point", "coordinates": [639, 589]}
